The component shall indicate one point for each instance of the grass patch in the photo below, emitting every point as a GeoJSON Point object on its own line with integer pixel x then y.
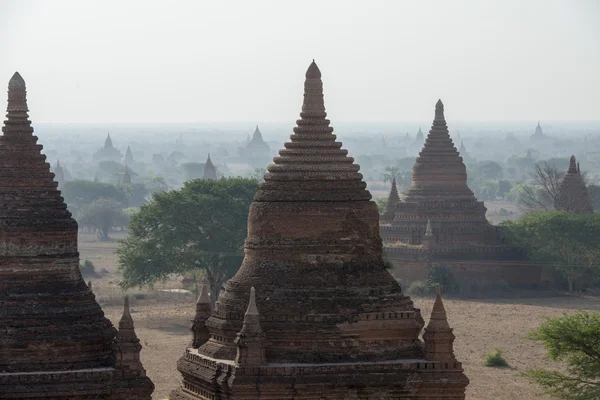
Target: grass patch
{"type": "Point", "coordinates": [495, 359]}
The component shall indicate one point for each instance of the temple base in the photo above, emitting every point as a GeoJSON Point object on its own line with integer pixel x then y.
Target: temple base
{"type": "Point", "coordinates": [85, 384]}
{"type": "Point", "coordinates": [211, 379]}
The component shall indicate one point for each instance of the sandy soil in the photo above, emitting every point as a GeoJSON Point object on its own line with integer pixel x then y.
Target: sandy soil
{"type": "Point", "coordinates": [162, 321]}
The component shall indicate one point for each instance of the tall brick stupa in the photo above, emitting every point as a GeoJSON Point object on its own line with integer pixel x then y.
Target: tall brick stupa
{"type": "Point", "coordinates": [440, 221]}
{"type": "Point", "coordinates": [313, 313]}
{"type": "Point", "coordinates": [55, 342]}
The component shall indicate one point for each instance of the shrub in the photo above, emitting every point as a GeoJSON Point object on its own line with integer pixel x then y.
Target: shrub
{"type": "Point", "coordinates": [444, 276]}
{"type": "Point", "coordinates": [495, 359]}
{"type": "Point", "coordinates": [87, 268]}
{"type": "Point", "coordinates": [421, 288]}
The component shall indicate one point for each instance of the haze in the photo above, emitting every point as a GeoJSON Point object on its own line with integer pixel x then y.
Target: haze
{"type": "Point", "coordinates": [234, 61]}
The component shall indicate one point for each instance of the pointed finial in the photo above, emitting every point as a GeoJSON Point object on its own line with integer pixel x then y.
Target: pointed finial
{"type": "Point", "coordinates": [204, 298]}
{"type": "Point", "coordinates": [208, 157]}
{"type": "Point", "coordinates": [439, 110]}
{"type": "Point", "coordinates": [438, 292]}
{"type": "Point", "coordinates": [17, 96]}
{"type": "Point", "coordinates": [126, 307]}
{"type": "Point", "coordinates": [16, 81]}
{"type": "Point", "coordinates": [572, 164]}
{"type": "Point", "coordinates": [578, 170]}
{"type": "Point", "coordinates": [313, 71]}
{"type": "Point", "coordinates": [252, 310]}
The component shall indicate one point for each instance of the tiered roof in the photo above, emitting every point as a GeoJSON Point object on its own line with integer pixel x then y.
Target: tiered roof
{"type": "Point", "coordinates": [574, 195]}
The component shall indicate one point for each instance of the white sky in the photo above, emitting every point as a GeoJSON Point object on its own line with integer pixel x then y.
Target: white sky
{"type": "Point", "coordinates": [218, 60]}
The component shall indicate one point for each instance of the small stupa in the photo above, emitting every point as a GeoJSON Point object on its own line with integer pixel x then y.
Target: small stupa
{"type": "Point", "coordinates": [209, 171]}
{"type": "Point", "coordinates": [573, 193]}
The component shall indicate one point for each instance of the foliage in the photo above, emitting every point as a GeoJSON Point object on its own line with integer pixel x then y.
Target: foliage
{"type": "Point", "coordinates": [421, 288]}
{"type": "Point", "coordinates": [390, 173]}
{"type": "Point", "coordinates": [157, 185]}
{"type": "Point", "coordinates": [103, 214]}
{"type": "Point", "coordinates": [135, 194]}
{"type": "Point", "coordinates": [566, 241]}
{"type": "Point", "coordinates": [381, 204]}
{"type": "Point", "coordinates": [192, 170]}
{"type": "Point", "coordinates": [78, 194]}
{"type": "Point", "coordinates": [491, 170]}
{"type": "Point", "coordinates": [259, 174]}
{"type": "Point", "coordinates": [504, 187]}
{"type": "Point", "coordinates": [87, 268]}
{"type": "Point", "coordinates": [442, 275]}
{"type": "Point", "coordinates": [595, 195]}
{"type": "Point", "coordinates": [200, 227]}
{"type": "Point", "coordinates": [575, 341]}
{"type": "Point", "coordinates": [495, 359]}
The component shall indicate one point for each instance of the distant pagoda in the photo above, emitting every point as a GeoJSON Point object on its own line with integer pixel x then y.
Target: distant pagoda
{"type": "Point", "coordinates": [59, 174]}
{"type": "Point", "coordinates": [538, 134]}
{"type": "Point", "coordinates": [209, 171]}
{"type": "Point", "coordinates": [55, 342]}
{"type": "Point", "coordinates": [128, 156]}
{"type": "Point", "coordinates": [573, 194]}
{"type": "Point", "coordinates": [257, 151]}
{"type": "Point", "coordinates": [460, 236]}
{"type": "Point", "coordinates": [108, 152]}
{"type": "Point", "coordinates": [313, 313]}
{"type": "Point", "coordinates": [420, 138]}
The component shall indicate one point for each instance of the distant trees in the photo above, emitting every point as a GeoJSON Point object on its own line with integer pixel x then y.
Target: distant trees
{"type": "Point", "coordinates": [103, 215]}
{"type": "Point", "coordinates": [575, 341]}
{"type": "Point", "coordinates": [192, 170]}
{"type": "Point", "coordinates": [567, 242]}
{"type": "Point", "coordinates": [200, 227]}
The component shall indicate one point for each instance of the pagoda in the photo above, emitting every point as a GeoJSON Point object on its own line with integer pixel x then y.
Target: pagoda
{"type": "Point", "coordinates": [209, 171]}
{"type": "Point", "coordinates": [460, 236]}
{"type": "Point", "coordinates": [419, 138]}
{"type": "Point", "coordinates": [55, 342]}
{"type": "Point", "coordinates": [108, 152]}
{"type": "Point", "coordinates": [573, 193]}
{"type": "Point", "coordinates": [312, 312]}
{"type": "Point", "coordinates": [538, 134]}
{"type": "Point", "coordinates": [257, 151]}
{"type": "Point", "coordinates": [128, 156]}
{"type": "Point", "coordinates": [59, 174]}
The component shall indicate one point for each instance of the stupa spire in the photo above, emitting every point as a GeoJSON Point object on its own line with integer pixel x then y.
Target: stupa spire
{"type": "Point", "coordinates": [199, 330]}
{"type": "Point", "coordinates": [439, 170]}
{"type": "Point", "coordinates": [572, 165]}
{"type": "Point", "coordinates": [209, 171]}
{"type": "Point", "coordinates": [429, 240]}
{"type": "Point", "coordinates": [250, 340]}
{"type": "Point", "coordinates": [438, 335]}
{"type": "Point", "coordinates": [127, 347]}
{"type": "Point", "coordinates": [393, 199]}
{"type": "Point", "coordinates": [428, 230]}
{"type": "Point", "coordinates": [313, 166]}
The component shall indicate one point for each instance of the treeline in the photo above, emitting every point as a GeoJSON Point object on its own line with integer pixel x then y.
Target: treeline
{"type": "Point", "coordinates": [101, 207]}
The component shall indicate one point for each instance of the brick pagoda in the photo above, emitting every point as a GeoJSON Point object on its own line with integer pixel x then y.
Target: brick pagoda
{"type": "Point", "coordinates": [460, 236]}
{"type": "Point", "coordinates": [313, 313]}
{"type": "Point", "coordinates": [573, 194]}
{"type": "Point", "coordinates": [55, 342]}
{"type": "Point", "coordinates": [209, 171]}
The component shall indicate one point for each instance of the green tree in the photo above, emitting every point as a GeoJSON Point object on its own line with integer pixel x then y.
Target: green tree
{"type": "Point", "coordinates": [575, 341]}
{"type": "Point", "coordinates": [595, 195]}
{"type": "Point", "coordinates": [259, 174]}
{"type": "Point", "coordinates": [198, 228]}
{"type": "Point", "coordinates": [491, 170]}
{"type": "Point", "coordinates": [390, 173]}
{"type": "Point", "coordinates": [157, 185]}
{"type": "Point", "coordinates": [566, 241]}
{"type": "Point", "coordinates": [504, 187]}
{"type": "Point", "coordinates": [135, 194]}
{"type": "Point", "coordinates": [103, 215]}
{"type": "Point", "coordinates": [78, 194]}
{"type": "Point", "coordinates": [381, 204]}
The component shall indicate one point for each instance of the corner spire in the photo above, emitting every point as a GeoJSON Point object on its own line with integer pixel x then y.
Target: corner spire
{"type": "Point", "coordinates": [438, 335]}
{"type": "Point", "coordinates": [127, 347]}
{"type": "Point", "coordinates": [126, 320]}
{"type": "Point", "coordinates": [200, 334]}
{"type": "Point", "coordinates": [393, 199]}
{"type": "Point", "coordinates": [251, 340]}
{"type": "Point", "coordinates": [252, 310]}
{"type": "Point", "coordinates": [428, 230]}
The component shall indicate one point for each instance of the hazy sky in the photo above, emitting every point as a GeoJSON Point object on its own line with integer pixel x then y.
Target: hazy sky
{"type": "Point", "coordinates": [194, 61]}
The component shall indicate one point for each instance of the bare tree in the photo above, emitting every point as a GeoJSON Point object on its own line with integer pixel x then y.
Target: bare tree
{"type": "Point", "coordinates": [544, 193]}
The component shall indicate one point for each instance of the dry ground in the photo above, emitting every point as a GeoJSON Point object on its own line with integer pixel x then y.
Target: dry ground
{"type": "Point", "coordinates": [162, 322]}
